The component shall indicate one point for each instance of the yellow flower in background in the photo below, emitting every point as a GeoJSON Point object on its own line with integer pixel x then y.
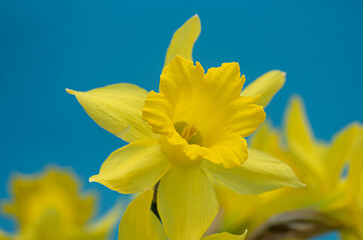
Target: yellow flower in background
{"type": "Point", "coordinates": [49, 206]}
{"type": "Point", "coordinates": [187, 135]}
{"type": "Point", "coordinates": [319, 165]}
{"type": "Point", "coordinates": [139, 222]}
{"type": "Point", "coordinates": [346, 203]}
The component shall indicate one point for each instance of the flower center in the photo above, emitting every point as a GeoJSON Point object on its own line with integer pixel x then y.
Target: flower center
{"type": "Point", "coordinates": [189, 132]}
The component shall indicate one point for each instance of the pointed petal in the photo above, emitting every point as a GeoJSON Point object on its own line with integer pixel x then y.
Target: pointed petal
{"type": "Point", "coordinates": [187, 202]}
{"type": "Point", "coordinates": [265, 86]}
{"type": "Point", "coordinates": [139, 222]}
{"type": "Point", "coordinates": [183, 40]}
{"type": "Point", "coordinates": [117, 108]}
{"type": "Point", "coordinates": [260, 173]}
{"type": "Point", "coordinates": [133, 168]}
{"type": "Point", "coordinates": [339, 152]}
{"type": "Point", "coordinates": [299, 135]}
{"type": "Point", "coordinates": [302, 144]}
{"type": "Point", "coordinates": [225, 236]}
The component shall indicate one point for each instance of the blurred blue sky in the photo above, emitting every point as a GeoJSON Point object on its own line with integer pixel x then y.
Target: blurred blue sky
{"type": "Point", "coordinates": [46, 46]}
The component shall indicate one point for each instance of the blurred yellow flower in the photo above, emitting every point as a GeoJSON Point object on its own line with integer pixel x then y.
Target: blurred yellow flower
{"type": "Point", "coordinates": [346, 203]}
{"type": "Point", "coordinates": [140, 223]}
{"type": "Point", "coordinates": [188, 134]}
{"type": "Point", "coordinates": [319, 165]}
{"type": "Point", "coordinates": [49, 206]}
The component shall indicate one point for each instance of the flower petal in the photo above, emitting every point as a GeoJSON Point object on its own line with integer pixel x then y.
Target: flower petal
{"type": "Point", "coordinates": [177, 83]}
{"type": "Point", "coordinates": [187, 202]}
{"type": "Point", "coordinates": [267, 139]}
{"type": "Point", "coordinates": [117, 108]}
{"type": "Point", "coordinates": [339, 152]}
{"type": "Point", "coordinates": [133, 168]}
{"type": "Point", "coordinates": [183, 40]}
{"type": "Point", "coordinates": [229, 152]}
{"type": "Point", "coordinates": [139, 222]}
{"type": "Point", "coordinates": [5, 236]}
{"type": "Point", "coordinates": [225, 82]}
{"type": "Point", "coordinates": [260, 173]}
{"type": "Point", "coordinates": [225, 236]}
{"type": "Point", "coordinates": [299, 135]}
{"type": "Point", "coordinates": [302, 144]}
{"type": "Point", "coordinates": [104, 226]}
{"type": "Point", "coordinates": [354, 181]}
{"type": "Point", "coordinates": [265, 86]}
{"type": "Point", "coordinates": [245, 116]}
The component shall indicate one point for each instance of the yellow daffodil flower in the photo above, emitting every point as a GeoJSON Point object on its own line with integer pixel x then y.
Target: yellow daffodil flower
{"type": "Point", "coordinates": [319, 165]}
{"type": "Point", "coordinates": [140, 223]}
{"type": "Point", "coordinates": [49, 206]}
{"type": "Point", "coordinates": [190, 133]}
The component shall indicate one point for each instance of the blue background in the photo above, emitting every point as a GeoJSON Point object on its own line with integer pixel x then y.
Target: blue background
{"type": "Point", "coordinates": [46, 46]}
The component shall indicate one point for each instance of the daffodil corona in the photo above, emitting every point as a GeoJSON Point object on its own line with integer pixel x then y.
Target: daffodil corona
{"type": "Point", "coordinates": [188, 135]}
{"type": "Point", "coordinates": [202, 116]}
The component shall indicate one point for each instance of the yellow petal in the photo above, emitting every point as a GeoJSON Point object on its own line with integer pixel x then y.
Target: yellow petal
{"type": "Point", "coordinates": [183, 40]}
{"type": "Point", "coordinates": [133, 168]}
{"type": "Point", "coordinates": [102, 228]}
{"type": "Point", "coordinates": [302, 144]}
{"type": "Point", "coordinates": [157, 112]}
{"type": "Point", "coordinates": [339, 152]}
{"type": "Point", "coordinates": [139, 222]}
{"type": "Point", "coordinates": [177, 83]}
{"type": "Point", "coordinates": [350, 235]}
{"type": "Point", "coordinates": [225, 82]}
{"type": "Point", "coordinates": [265, 86]}
{"type": "Point", "coordinates": [244, 116]}
{"type": "Point", "coordinates": [299, 135]}
{"type": "Point", "coordinates": [268, 140]}
{"type": "Point", "coordinates": [229, 152]}
{"type": "Point", "coordinates": [260, 173]}
{"type": "Point", "coordinates": [117, 108]}
{"type": "Point", "coordinates": [5, 236]}
{"type": "Point", "coordinates": [187, 202]}
{"type": "Point", "coordinates": [49, 227]}
{"type": "Point", "coordinates": [225, 236]}
{"type": "Point", "coordinates": [354, 186]}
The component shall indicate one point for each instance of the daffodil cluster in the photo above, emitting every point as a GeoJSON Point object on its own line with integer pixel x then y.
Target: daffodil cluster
{"type": "Point", "coordinates": [48, 206]}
